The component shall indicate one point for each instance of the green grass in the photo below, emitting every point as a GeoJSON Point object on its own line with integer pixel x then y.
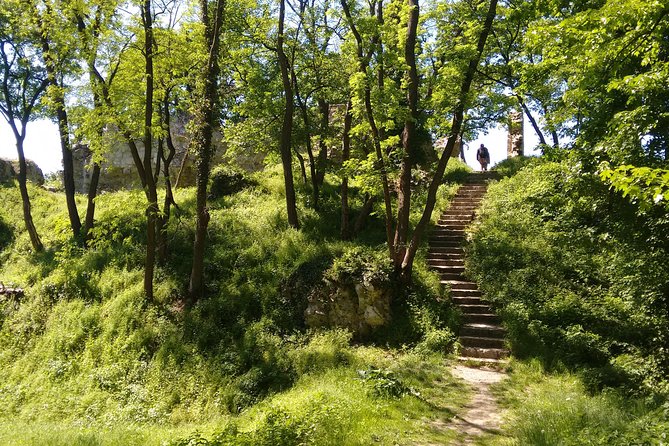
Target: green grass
{"type": "Point", "coordinates": [555, 409]}
{"type": "Point", "coordinates": [86, 360]}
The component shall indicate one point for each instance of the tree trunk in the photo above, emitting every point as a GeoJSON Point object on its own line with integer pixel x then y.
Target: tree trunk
{"type": "Point", "coordinates": [324, 109]}
{"type": "Point", "coordinates": [533, 121]}
{"type": "Point", "coordinates": [366, 209]}
{"type": "Point", "coordinates": [345, 156]}
{"type": "Point", "coordinates": [150, 186]}
{"type": "Point", "coordinates": [58, 100]}
{"type": "Point", "coordinates": [408, 139]}
{"type": "Point", "coordinates": [458, 113]}
{"type": "Point", "coordinates": [287, 126]}
{"type": "Point", "coordinates": [203, 142]}
{"type": "Point", "coordinates": [25, 198]}
{"type": "Point", "coordinates": [90, 208]}
{"type": "Point", "coordinates": [363, 63]}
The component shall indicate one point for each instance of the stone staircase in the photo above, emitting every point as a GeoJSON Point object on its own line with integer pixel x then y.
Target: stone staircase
{"type": "Point", "coordinates": [481, 335]}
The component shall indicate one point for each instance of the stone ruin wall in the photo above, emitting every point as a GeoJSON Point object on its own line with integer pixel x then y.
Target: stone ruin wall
{"type": "Point", "coordinates": [119, 171]}
{"type": "Point", "coordinates": [514, 145]}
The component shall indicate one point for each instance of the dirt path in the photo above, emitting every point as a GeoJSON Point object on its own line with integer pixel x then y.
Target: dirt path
{"type": "Point", "coordinates": [482, 414]}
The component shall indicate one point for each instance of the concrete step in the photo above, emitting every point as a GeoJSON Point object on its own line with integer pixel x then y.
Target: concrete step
{"type": "Point", "coordinates": [475, 318]}
{"type": "Point", "coordinates": [481, 342]}
{"type": "Point", "coordinates": [487, 353]}
{"type": "Point", "coordinates": [483, 330]}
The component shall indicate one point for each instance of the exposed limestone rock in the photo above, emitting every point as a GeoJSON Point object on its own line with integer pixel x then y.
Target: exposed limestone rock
{"type": "Point", "coordinates": [360, 307]}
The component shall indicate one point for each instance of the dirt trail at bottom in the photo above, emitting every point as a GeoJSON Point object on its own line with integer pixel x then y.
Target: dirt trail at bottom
{"type": "Point", "coordinates": [482, 415]}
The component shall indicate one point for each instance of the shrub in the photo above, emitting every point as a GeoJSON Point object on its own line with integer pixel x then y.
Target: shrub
{"type": "Point", "coordinates": [576, 275]}
{"type": "Point", "coordinates": [226, 180]}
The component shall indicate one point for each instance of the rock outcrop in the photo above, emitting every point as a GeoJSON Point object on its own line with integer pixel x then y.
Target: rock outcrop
{"type": "Point", "coordinates": [359, 307]}
{"type": "Point", "coordinates": [9, 169]}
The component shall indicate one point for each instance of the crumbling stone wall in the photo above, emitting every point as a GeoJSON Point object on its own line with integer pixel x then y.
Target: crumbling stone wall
{"type": "Point", "coordinates": [514, 145]}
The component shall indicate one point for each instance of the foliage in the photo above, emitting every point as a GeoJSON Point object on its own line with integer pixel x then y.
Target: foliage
{"type": "Point", "coordinates": [227, 181]}
{"type": "Point", "coordinates": [579, 277]}
{"type": "Point", "coordinates": [644, 185]}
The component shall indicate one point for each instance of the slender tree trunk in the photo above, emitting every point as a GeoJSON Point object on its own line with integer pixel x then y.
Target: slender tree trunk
{"type": "Point", "coordinates": [287, 126]}
{"type": "Point", "coordinates": [203, 142]}
{"type": "Point", "coordinates": [303, 168]}
{"type": "Point", "coordinates": [345, 156]}
{"type": "Point", "coordinates": [321, 161]}
{"type": "Point", "coordinates": [533, 121]}
{"type": "Point", "coordinates": [366, 209]}
{"type": "Point", "coordinates": [90, 208]}
{"type": "Point", "coordinates": [150, 186]}
{"type": "Point", "coordinates": [408, 139]}
{"type": "Point", "coordinates": [363, 63]}
{"type": "Point", "coordinates": [25, 198]}
{"type": "Point", "coordinates": [458, 113]}
{"type": "Point", "coordinates": [58, 100]}
{"type": "Point", "coordinates": [169, 196]}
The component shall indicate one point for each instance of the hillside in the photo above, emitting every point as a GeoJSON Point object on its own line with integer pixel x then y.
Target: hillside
{"type": "Point", "coordinates": [86, 360]}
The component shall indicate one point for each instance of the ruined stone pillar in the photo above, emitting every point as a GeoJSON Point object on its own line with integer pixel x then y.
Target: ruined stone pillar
{"type": "Point", "coordinates": [514, 145]}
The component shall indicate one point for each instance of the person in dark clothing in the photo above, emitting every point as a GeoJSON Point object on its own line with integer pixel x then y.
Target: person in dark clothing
{"type": "Point", "coordinates": [483, 157]}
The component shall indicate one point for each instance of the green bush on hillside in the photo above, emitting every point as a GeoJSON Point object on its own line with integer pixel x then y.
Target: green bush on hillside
{"type": "Point", "coordinates": [578, 274]}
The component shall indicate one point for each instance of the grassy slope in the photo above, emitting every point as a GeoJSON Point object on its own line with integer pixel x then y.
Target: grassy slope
{"type": "Point", "coordinates": [85, 360]}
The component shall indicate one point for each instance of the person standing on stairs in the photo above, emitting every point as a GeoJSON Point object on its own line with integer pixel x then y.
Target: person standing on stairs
{"type": "Point", "coordinates": [483, 157]}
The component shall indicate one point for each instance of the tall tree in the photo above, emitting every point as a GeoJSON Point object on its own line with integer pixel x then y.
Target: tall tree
{"type": "Point", "coordinates": [285, 139]}
{"type": "Point", "coordinates": [55, 35]}
{"type": "Point", "coordinates": [205, 118]}
{"type": "Point", "coordinates": [23, 83]}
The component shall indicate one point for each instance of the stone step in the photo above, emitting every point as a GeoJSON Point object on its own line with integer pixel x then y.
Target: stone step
{"type": "Point", "coordinates": [483, 330]}
{"type": "Point", "coordinates": [457, 230]}
{"type": "Point", "coordinates": [457, 212]}
{"type": "Point", "coordinates": [446, 243]}
{"type": "Point", "coordinates": [480, 308]}
{"type": "Point", "coordinates": [487, 353]}
{"type": "Point", "coordinates": [481, 342]}
{"type": "Point", "coordinates": [447, 235]}
{"type": "Point", "coordinates": [449, 269]}
{"type": "Point", "coordinates": [465, 204]}
{"type": "Point", "coordinates": [447, 250]}
{"type": "Point", "coordinates": [465, 292]}
{"type": "Point", "coordinates": [462, 285]}
{"type": "Point", "coordinates": [437, 262]}
{"type": "Point", "coordinates": [476, 318]}
{"type": "Point", "coordinates": [456, 227]}
{"type": "Point", "coordinates": [465, 300]}
{"type": "Point", "coordinates": [451, 277]}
